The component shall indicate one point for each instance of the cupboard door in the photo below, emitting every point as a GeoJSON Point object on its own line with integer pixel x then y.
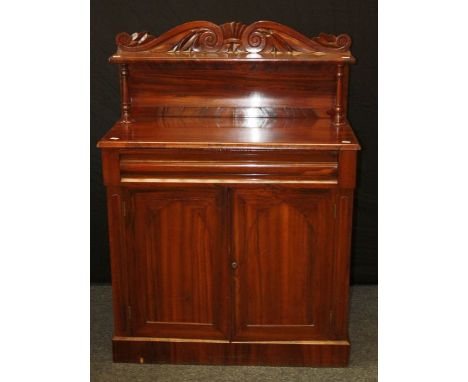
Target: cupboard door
{"type": "Point", "coordinates": [283, 251]}
{"type": "Point", "coordinates": [179, 272]}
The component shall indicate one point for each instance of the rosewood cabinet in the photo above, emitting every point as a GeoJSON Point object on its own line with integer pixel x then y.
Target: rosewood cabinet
{"type": "Point", "coordinates": [230, 180]}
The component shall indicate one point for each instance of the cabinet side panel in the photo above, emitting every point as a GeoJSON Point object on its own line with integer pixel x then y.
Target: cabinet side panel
{"type": "Point", "coordinates": [118, 261]}
{"type": "Point", "coordinates": [342, 264]}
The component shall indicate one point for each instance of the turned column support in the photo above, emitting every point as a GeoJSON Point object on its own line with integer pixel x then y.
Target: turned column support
{"type": "Point", "coordinates": [339, 117]}
{"type": "Point", "coordinates": [125, 97]}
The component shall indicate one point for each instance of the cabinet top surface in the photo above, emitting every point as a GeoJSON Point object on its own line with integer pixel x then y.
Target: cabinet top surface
{"type": "Point", "coordinates": [205, 41]}
{"type": "Point", "coordinates": [209, 132]}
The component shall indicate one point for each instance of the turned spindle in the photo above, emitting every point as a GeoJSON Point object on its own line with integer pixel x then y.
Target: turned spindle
{"type": "Point", "coordinates": [125, 98]}
{"type": "Point", "coordinates": [339, 117]}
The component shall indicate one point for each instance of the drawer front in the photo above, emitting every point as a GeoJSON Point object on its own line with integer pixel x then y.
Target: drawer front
{"type": "Point", "coordinates": [217, 166]}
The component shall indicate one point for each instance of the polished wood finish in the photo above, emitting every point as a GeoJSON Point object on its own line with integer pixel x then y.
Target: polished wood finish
{"type": "Point", "coordinates": [231, 133]}
{"type": "Point", "coordinates": [283, 245]}
{"type": "Point", "coordinates": [125, 103]}
{"type": "Point", "coordinates": [339, 110]}
{"type": "Point", "coordinates": [149, 350]}
{"type": "Point", "coordinates": [261, 89]}
{"type": "Point", "coordinates": [173, 74]}
{"type": "Point", "coordinates": [177, 237]}
{"type": "Point", "coordinates": [264, 40]}
{"type": "Point", "coordinates": [230, 179]}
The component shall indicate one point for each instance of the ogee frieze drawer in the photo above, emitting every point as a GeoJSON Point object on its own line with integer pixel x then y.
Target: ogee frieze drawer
{"type": "Point", "coordinates": [233, 166]}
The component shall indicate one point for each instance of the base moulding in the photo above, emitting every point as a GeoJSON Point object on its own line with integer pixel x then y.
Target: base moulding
{"type": "Point", "coordinates": [213, 352]}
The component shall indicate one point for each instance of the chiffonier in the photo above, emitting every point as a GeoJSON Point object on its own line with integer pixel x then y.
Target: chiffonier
{"type": "Point", "coordinates": [230, 179]}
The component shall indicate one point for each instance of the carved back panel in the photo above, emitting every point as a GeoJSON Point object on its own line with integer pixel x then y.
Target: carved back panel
{"type": "Point", "coordinates": [240, 90]}
{"type": "Point", "coordinates": [233, 70]}
{"type": "Point", "coordinates": [263, 37]}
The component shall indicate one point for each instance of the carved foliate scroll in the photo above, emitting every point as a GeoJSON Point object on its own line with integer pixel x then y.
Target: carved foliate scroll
{"type": "Point", "coordinates": [233, 37]}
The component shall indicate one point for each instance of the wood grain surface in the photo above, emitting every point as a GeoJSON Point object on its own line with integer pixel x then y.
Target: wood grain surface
{"type": "Point", "coordinates": [230, 190]}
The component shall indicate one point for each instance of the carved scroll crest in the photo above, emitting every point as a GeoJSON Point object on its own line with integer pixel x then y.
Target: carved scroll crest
{"type": "Point", "coordinates": [233, 37]}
